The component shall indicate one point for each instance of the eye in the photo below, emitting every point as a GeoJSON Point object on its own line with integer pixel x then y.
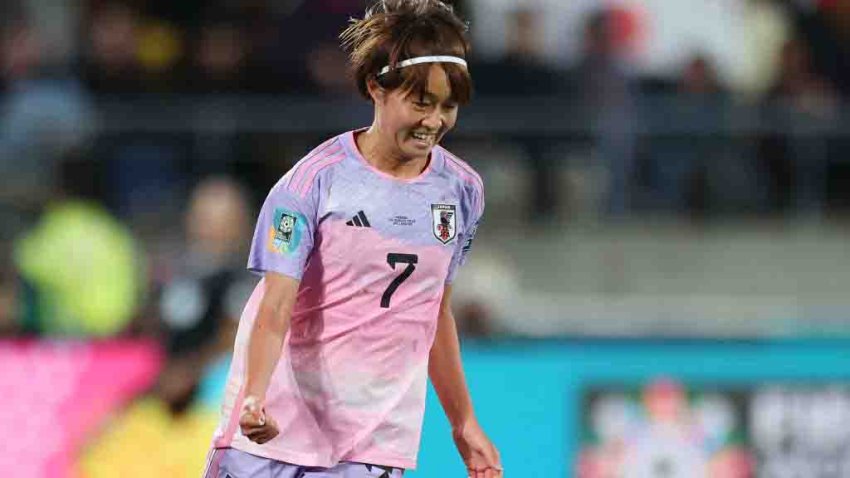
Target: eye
{"type": "Point", "coordinates": [421, 104]}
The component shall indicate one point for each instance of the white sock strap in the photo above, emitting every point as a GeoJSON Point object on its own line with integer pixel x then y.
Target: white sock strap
{"type": "Point", "coordinates": [424, 59]}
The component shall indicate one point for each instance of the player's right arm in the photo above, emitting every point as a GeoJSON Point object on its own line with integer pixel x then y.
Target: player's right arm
{"type": "Point", "coordinates": [264, 349]}
{"type": "Point", "coordinates": [283, 239]}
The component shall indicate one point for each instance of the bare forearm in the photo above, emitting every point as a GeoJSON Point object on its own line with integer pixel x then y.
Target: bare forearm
{"type": "Point", "coordinates": [446, 372]}
{"type": "Point", "coordinates": [267, 335]}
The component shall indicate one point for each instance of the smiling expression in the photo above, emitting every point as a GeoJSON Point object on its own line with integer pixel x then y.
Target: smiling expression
{"type": "Point", "coordinates": [411, 123]}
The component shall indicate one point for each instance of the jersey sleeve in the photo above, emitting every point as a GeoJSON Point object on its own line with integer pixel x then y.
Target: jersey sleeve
{"type": "Point", "coordinates": [474, 210]}
{"type": "Point", "coordinates": [283, 237]}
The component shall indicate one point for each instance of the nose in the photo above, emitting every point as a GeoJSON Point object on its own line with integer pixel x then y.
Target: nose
{"type": "Point", "coordinates": [433, 120]}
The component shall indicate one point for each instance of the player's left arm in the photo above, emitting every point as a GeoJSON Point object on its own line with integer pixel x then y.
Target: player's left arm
{"type": "Point", "coordinates": [446, 372]}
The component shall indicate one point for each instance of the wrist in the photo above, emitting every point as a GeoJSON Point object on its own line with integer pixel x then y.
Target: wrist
{"type": "Point", "coordinates": [460, 423]}
{"type": "Point", "coordinates": [252, 399]}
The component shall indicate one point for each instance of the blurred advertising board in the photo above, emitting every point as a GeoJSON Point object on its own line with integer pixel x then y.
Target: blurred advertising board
{"type": "Point", "coordinates": [667, 428]}
{"type": "Point", "coordinates": [761, 408]}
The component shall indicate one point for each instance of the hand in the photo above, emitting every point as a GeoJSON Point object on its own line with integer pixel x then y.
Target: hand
{"type": "Point", "coordinates": [481, 457]}
{"type": "Point", "coordinates": [254, 422]}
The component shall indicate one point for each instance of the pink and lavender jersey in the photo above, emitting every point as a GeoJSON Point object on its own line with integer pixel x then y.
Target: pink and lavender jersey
{"type": "Point", "coordinates": [373, 254]}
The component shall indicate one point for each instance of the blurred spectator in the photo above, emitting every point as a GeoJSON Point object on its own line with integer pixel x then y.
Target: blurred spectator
{"type": "Point", "coordinates": [43, 119]}
{"type": "Point", "coordinates": [303, 58]}
{"type": "Point", "coordinates": [522, 73]}
{"type": "Point", "coordinates": [218, 70]}
{"type": "Point", "coordinates": [798, 82]}
{"type": "Point", "coordinates": [699, 78]}
{"type": "Point", "coordinates": [137, 166]}
{"type": "Point", "coordinates": [202, 295]}
{"type": "Point", "coordinates": [679, 164]}
{"type": "Point", "coordinates": [606, 90]}
{"type": "Point", "coordinates": [826, 28]}
{"type": "Point", "coordinates": [80, 267]}
{"type": "Point", "coordinates": [327, 68]}
{"type": "Point", "coordinates": [219, 58]}
{"type": "Point", "coordinates": [128, 52]}
{"type": "Point", "coordinates": [160, 50]}
{"type": "Point", "coordinates": [110, 62]}
{"type": "Point", "coordinates": [58, 26]}
{"type": "Point", "coordinates": [795, 159]}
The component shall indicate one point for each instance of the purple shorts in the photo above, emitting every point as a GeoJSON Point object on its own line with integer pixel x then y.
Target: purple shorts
{"type": "Point", "coordinates": [232, 463]}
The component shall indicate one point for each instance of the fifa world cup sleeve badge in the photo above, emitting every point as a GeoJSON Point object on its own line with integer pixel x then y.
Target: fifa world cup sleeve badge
{"type": "Point", "coordinates": [286, 231]}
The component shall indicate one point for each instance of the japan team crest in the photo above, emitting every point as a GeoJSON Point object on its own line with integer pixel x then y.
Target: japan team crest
{"type": "Point", "coordinates": [444, 221]}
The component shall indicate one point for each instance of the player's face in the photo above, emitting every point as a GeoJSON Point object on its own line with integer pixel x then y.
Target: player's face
{"type": "Point", "coordinates": [417, 122]}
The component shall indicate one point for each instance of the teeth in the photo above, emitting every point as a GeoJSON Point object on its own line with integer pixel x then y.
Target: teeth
{"type": "Point", "coordinates": [421, 136]}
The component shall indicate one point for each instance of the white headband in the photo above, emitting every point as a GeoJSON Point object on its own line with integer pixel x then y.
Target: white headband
{"type": "Point", "coordinates": [424, 59]}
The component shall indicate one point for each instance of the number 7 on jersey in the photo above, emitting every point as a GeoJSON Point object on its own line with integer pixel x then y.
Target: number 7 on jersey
{"type": "Point", "coordinates": [394, 258]}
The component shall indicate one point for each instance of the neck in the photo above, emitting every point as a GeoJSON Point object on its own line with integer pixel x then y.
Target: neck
{"type": "Point", "coordinates": [382, 156]}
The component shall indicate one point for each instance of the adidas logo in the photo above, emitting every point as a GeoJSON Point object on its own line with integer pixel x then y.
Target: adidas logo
{"type": "Point", "coordinates": [359, 220]}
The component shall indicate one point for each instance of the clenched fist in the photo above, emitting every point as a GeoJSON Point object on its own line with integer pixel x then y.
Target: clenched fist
{"type": "Point", "coordinates": [254, 422]}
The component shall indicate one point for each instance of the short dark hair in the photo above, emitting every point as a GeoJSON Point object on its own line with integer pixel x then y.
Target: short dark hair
{"type": "Point", "coordinates": [392, 31]}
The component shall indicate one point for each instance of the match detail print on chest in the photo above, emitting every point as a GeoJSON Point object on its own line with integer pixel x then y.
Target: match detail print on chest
{"type": "Point", "coordinates": [414, 215]}
{"type": "Point", "coordinates": [431, 223]}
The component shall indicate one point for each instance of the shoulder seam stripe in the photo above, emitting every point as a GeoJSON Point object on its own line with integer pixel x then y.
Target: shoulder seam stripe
{"type": "Point", "coordinates": [305, 164]}
{"type": "Point", "coordinates": [298, 183]}
{"type": "Point", "coordinates": [465, 167]}
{"type": "Point", "coordinates": [471, 177]}
{"type": "Point", "coordinates": [299, 168]}
{"type": "Point", "coordinates": [455, 158]}
{"type": "Point", "coordinates": [324, 164]}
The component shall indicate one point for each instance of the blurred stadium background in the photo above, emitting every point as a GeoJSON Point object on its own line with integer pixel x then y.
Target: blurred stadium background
{"type": "Point", "coordinates": [659, 289]}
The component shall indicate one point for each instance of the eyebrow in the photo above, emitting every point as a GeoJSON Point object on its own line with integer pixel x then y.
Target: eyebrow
{"type": "Point", "coordinates": [427, 95]}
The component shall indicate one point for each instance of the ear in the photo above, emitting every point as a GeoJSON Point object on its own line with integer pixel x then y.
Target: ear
{"type": "Point", "coordinates": [376, 92]}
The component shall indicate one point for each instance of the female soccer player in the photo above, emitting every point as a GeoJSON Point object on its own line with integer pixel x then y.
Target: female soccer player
{"type": "Point", "coordinates": [358, 245]}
